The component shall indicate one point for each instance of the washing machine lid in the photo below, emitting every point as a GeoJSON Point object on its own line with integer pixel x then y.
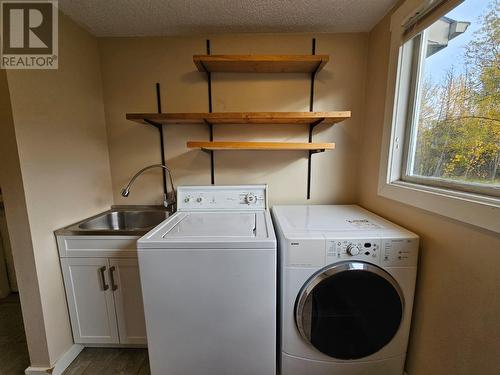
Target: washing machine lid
{"type": "Point", "coordinates": [215, 224]}
{"type": "Point", "coordinates": [343, 219]}
{"type": "Point", "coordinates": [213, 229]}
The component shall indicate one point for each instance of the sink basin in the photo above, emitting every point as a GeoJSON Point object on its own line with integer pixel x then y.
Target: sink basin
{"type": "Point", "coordinates": [129, 221]}
{"type": "Point", "coordinates": [125, 220]}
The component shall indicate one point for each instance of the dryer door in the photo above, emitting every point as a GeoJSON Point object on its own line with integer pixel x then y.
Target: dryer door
{"type": "Point", "coordinates": [349, 310]}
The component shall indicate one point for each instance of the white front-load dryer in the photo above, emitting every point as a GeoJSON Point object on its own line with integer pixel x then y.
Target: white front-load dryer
{"type": "Point", "coordinates": [347, 280]}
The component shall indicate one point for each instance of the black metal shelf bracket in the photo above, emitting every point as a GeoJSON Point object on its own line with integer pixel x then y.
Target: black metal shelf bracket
{"type": "Point", "coordinates": [211, 152]}
{"type": "Point", "coordinates": [160, 129]}
{"type": "Point", "coordinates": [317, 151]}
{"type": "Point", "coordinates": [210, 126]}
{"type": "Point", "coordinates": [312, 125]}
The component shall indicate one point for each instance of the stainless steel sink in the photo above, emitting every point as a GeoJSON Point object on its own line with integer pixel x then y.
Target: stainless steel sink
{"type": "Point", "coordinates": [124, 221]}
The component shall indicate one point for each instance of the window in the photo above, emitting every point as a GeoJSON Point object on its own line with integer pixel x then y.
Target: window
{"type": "Point", "coordinates": [441, 141]}
{"type": "Point", "coordinates": [452, 137]}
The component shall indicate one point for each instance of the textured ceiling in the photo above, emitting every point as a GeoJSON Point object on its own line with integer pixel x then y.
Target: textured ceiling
{"type": "Point", "coordinates": [173, 17]}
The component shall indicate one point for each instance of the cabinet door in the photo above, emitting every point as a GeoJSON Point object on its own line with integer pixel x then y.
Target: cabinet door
{"type": "Point", "coordinates": [90, 300]}
{"type": "Point", "coordinates": [128, 300]}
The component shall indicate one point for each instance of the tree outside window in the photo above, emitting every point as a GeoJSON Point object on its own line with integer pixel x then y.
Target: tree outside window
{"type": "Point", "coordinates": [455, 133]}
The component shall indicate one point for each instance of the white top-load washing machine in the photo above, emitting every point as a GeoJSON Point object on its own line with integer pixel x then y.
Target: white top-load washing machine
{"type": "Point", "coordinates": [347, 284]}
{"type": "Point", "coordinates": [208, 276]}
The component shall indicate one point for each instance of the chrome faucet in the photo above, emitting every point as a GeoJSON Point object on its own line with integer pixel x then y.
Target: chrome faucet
{"type": "Point", "coordinates": [169, 203]}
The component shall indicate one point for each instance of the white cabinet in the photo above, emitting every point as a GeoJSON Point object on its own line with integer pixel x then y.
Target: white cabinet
{"type": "Point", "coordinates": [128, 301]}
{"type": "Point", "coordinates": [90, 300]}
{"type": "Point", "coordinates": [105, 300]}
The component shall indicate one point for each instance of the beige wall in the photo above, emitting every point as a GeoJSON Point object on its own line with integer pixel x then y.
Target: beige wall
{"type": "Point", "coordinates": [61, 139]}
{"type": "Point", "coordinates": [456, 325]}
{"type": "Point", "coordinates": [131, 67]}
{"type": "Point", "coordinates": [62, 151]}
{"type": "Point", "coordinates": [19, 230]}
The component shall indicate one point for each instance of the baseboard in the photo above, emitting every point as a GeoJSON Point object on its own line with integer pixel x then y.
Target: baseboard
{"type": "Point", "coordinates": [126, 346]}
{"type": "Point", "coordinates": [61, 365]}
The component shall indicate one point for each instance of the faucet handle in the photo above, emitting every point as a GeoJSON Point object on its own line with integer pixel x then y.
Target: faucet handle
{"type": "Point", "coordinates": [169, 203]}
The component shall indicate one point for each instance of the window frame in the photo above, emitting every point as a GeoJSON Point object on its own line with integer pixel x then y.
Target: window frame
{"type": "Point", "coordinates": [444, 198]}
{"type": "Point", "coordinates": [410, 138]}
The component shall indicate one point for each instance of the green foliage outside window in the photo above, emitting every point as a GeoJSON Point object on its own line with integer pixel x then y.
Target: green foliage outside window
{"type": "Point", "coordinates": [458, 131]}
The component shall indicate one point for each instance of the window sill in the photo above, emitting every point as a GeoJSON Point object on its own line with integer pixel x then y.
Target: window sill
{"type": "Point", "coordinates": [473, 209]}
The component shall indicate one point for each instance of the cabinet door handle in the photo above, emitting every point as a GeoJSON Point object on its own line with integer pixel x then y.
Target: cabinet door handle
{"type": "Point", "coordinates": [103, 278]}
{"type": "Point", "coordinates": [112, 277]}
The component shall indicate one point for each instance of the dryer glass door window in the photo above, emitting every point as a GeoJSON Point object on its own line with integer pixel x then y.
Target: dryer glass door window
{"type": "Point", "coordinates": [349, 310]}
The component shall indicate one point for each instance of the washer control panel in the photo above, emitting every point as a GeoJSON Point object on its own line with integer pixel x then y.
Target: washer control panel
{"type": "Point", "coordinates": [203, 198]}
{"type": "Point", "coordinates": [345, 249]}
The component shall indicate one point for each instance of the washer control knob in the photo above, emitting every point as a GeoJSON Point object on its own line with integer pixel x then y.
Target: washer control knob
{"type": "Point", "coordinates": [187, 200]}
{"type": "Point", "coordinates": [199, 199]}
{"type": "Point", "coordinates": [250, 198]}
{"type": "Point", "coordinates": [352, 250]}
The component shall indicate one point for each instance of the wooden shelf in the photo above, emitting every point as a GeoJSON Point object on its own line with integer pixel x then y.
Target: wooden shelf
{"type": "Point", "coordinates": [260, 63]}
{"type": "Point", "coordinates": [276, 146]}
{"type": "Point", "coordinates": [288, 118]}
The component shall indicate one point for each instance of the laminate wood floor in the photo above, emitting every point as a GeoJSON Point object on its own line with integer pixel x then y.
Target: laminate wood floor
{"type": "Point", "coordinates": [104, 361]}
{"type": "Point", "coordinates": [14, 357]}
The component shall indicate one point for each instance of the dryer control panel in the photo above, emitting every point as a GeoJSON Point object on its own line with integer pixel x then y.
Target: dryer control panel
{"type": "Point", "coordinates": [386, 252]}
{"type": "Point", "coordinates": [342, 249]}
{"type": "Point", "coordinates": [399, 252]}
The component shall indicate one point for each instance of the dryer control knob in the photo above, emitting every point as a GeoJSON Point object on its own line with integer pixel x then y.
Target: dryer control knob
{"type": "Point", "coordinates": [199, 199]}
{"type": "Point", "coordinates": [352, 250]}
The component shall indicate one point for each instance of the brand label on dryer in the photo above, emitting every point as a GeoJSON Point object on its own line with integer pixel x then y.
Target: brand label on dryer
{"type": "Point", "coordinates": [306, 253]}
{"type": "Point", "coordinates": [363, 224]}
